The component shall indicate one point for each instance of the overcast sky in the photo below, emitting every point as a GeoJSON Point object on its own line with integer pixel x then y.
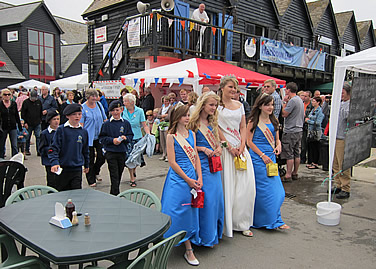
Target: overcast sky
{"type": "Point", "coordinates": [72, 9]}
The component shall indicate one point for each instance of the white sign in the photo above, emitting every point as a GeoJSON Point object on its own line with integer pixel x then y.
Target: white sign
{"type": "Point", "coordinates": [110, 88]}
{"type": "Point", "coordinates": [250, 47]}
{"type": "Point", "coordinates": [133, 33]}
{"type": "Point", "coordinates": [12, 36]}
{"type": "Point", "coordinates": [325, 40]}
{"type": "Point", "coordinates": [119, 53]}
{"type": "Point", "coordinates": [100, 35]}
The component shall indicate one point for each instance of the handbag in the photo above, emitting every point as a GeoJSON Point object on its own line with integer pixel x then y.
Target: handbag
{"type": "Point", "coordinates": [272, 169]}
{"type": "Point", "coordinates": [314, 135]}
{"type": "Point", "coordinates": [215, 164]}
{"type": "Point", "coordinates": [240, 163]}
{"type": "Point", "coordinates": [198, 202]}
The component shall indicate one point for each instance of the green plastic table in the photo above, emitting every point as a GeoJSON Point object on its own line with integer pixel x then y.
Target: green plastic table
{"type": "Point", "coordinates": [117, 226]}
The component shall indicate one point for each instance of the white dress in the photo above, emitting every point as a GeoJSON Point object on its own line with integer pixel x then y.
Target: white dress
{"type": "Point", "coordinates": [238, 186]}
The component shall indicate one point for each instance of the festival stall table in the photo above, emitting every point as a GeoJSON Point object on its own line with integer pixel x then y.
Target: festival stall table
{"type": "Point", "coordinates": [118, 226]}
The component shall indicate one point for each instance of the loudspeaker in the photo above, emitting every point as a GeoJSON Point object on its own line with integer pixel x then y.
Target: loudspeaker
{"type": "Point", "coordinates": [167, 5]}
{"type": "Point", "coordinates": [142, 7]}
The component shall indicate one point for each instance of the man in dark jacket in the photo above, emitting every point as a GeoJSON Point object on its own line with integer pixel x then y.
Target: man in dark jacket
{"type": "Point", "coordinates": [48, 105]}
{"type": "Point", "coordinates": [148, 100]}
{"type": "Point", "coordinates": [31, 113]}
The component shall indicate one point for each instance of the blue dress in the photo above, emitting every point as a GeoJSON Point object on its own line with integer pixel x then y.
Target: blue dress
{"type": "Point", "coordinates": [176, 197]}
{"type": "Point", "coordinates": [211, 217]}
{"type": "Point", "coordinates": [270, 193]}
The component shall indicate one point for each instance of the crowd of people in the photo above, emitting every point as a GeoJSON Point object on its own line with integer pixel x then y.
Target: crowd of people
{"type": "Point", "coordinates": [217, 146]}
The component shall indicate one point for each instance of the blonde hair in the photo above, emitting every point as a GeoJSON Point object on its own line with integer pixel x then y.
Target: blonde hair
{"type": "Point", "coordinates": [192, 98]}
{"type": "Point", "coordinates": [4, 91]}
{"type": "Point", "coordinates": [223, 83]}
{"type": "Point", "coordinates": [272, 82]}
{"type": "Point", "coordinates": [194, 121]}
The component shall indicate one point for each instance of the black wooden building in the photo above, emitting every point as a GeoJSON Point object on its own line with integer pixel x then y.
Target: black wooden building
{"type": "Point", "coordinates": [30, 37]}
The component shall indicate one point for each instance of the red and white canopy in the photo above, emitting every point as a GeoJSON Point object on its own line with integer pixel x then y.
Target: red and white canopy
{"type": "Point", "coordinates": [196, 72]}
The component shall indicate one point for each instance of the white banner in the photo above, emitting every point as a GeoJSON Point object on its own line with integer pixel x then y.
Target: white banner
{"type": "Point", "coordinates": [133, 33]}
{"type": "Point", "coordinates": [110, 88]}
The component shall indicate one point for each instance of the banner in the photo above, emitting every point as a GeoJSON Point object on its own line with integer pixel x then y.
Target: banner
{"type": "Point", "coordinates": [110, 88]}
{"type": "Point", "coordinates": [282, 53]}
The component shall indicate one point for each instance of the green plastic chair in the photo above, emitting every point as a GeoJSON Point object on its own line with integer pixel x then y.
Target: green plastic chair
{"type": "Point", "coordinates": [29, 193]}
{"type": "Point", "coordinates": [143, 197]}
{"type": "Point", "coordinates": [155, 257]}
{"type": "Point", "coordinates": [14, 259]}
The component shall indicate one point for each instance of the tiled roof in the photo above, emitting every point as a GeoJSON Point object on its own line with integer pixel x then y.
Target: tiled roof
{"type": "Point", "coordinates": [99, 4]}
{"type": "Point", "coordinates": [74, 32]}
{"type": "Point", "coordinates": [17, 14]}
{"type": "Point", "coordinates": [363, 28]}
{"type": "Point", "coordinates": [282, 6]}
{"type": "Point", "coordinates": [10, 71]}
{"type": "Point", "coordinates": [343, 19]}
{"type": "Point", "coordinates": [69, 53]}
{"type": "Point", "coordinates": [316, 10]}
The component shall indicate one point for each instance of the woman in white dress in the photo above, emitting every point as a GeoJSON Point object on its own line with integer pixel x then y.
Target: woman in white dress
{"type": "Point", "coordinates": [238, 185]}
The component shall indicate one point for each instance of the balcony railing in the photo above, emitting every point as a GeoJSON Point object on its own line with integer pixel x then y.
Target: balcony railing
{"type": "Point", "coordinates": [155, 34]}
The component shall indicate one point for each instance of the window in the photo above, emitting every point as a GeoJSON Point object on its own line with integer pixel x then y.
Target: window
{"type": "Point", "coordinates": [295, 40]}
{"type": "Point", "coordinates": [41, 55]}
{"type": "Point", "coordinates": [255, 29]}
{"type": "Point", "coordinates": [323, 48]}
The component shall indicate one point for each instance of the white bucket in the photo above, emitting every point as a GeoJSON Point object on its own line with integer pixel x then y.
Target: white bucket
{"type": "Point", "coordinates": [328, 213]}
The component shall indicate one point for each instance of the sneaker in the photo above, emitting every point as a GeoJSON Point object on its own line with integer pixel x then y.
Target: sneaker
{"type": "Point", "coordinates": [162, 158]}
{"type": "Point", "coordinates": [166, 160]}
{"type": "Point", "coordinates": [343, 195]}
{"type": "Point", "coordinates": [28, 153]}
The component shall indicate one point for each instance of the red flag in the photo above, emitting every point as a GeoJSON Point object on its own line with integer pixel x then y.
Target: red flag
{"type": "Point", "coordinates": [190, 74]}
{"type": "Point", "coordinates": [214, 30]}
{"type": "Point", "coordinates": [100, 73]}
{"type": "Point", "coordinates": [142, 81]}
{"type": "Point", "coordinates": [151, 15]}
{"type": "Point", "coordinates": [123, 81]}
{"type": "Point", "coordinates": [164, 81]}
{"type": "Point", "coordinates": [182, 24]}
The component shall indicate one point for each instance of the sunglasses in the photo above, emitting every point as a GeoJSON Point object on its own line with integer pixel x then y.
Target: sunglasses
{"type": "Point", "coordinates": [268, 86]}
{"type": "Point", "coordinates": [6, 94]}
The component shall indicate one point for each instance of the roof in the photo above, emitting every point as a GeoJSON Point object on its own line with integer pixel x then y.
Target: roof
{"type": "Point", "coordinates": [74, 32]}
{"type": "Point", "coordinates": [10, 71]}
{"type": "Point", "coordinates": [69, 53]}
{"type": "Point", "coordinates": [316, 11]}
{"type": "Point", "coordinates": [363, 28]}
{"type": "Point", "coordinates": [100, 4]}
{"type": "Point", "coordinates": [343, 19]}
{"type": "Point", "coordinates": [282, 6]}
{"type": "Point", "coordinates": [4, 5]}
{"type": "Point", "coordinates": [17, 14]}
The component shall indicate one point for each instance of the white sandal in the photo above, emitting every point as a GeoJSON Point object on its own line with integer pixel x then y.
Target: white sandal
{"type": "Point", "coordinates": [194, 262]}
{"type": "Point", "coordinates": [247, 233]}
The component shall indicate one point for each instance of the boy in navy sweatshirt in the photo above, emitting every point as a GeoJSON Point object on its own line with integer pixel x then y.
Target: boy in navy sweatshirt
{"type": "Point", "coordinates": [70, 150]}
{"type": "Point", "coordinates": [53, 119]}
{"type": "Point", "coordinates": [115, 135]}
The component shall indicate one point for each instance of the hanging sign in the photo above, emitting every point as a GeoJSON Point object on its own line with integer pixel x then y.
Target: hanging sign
{"type": "Point", "coordinates": [100, 35]}
{"type": "Point", "coordinates": [250, 47]}
{"type": "Point", "coordinates": [133, 33]}
{"type": "Point", "coordinates": [12, 36]}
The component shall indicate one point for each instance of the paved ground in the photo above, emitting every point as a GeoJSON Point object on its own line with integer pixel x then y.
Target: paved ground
{"type": "Point", "coordinates": [351, 244]}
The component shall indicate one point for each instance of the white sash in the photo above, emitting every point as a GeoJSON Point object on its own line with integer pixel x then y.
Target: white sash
{"type": "Point", "coordinates": [209, 136]}
{"type": "Point", "coordinates": [188, 149]}
{"type": "Point", "coordinates": [268, 134]}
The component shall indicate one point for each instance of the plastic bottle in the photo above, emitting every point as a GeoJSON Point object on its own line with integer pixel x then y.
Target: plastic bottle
{"type": "Point", "coordinates": [87, 219]}
{"type": "Point", "coordinates": [69, 208]}
{"type": "Point", "coordinates": [74, 218]}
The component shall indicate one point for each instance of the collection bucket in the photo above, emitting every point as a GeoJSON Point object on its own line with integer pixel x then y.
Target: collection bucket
{"type": "Point", "coordinates": [328, 213]}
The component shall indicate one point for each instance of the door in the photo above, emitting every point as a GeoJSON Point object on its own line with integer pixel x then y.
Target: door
{"type": "Point", "coordinates": [228, 25]}
{"type": "Point", "coordinates": [182, 10]}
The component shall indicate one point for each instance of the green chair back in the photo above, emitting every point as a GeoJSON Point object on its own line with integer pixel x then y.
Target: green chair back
{"type": "Point", "coordinates": [11, 173]}
{"type": "Point", "coordinates": [29, 193]}
{"type": "Point", "coordinates": [13, 258]}
{"type": "Point", "coordinates": [143, 197]}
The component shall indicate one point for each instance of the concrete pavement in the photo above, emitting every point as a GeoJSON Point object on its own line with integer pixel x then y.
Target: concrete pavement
{"type": "Point", "coordinates": [351, 244]}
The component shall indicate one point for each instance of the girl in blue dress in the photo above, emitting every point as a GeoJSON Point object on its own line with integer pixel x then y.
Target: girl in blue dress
{"type": "Point", "coordinates": [183, 176]}
{"type": "Point", "coordinates": [264, 143]}
{"type": "Point", "coordinates": [205, 124]}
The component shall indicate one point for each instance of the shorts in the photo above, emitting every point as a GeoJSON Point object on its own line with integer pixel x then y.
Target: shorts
{"type": "Point", "coordinates": [291, 145]}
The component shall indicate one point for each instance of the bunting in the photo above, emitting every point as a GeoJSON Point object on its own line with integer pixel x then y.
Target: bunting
{"type": "Point", "coordinates": [123, 81]}
{"type": "Point", "coordinates": [207, 76]}
{"type": "Point", "coordinates": [191, 25]}
{"type": "Point", "coordinates": [125, 26]}
{"type": "Point", "coordinates": [170, 21]}
{"type": "Point", "coordinates": [142, 81]}
{"type": "Point", "coordinates": [248, 84]}
{"type": "Point", "coordinates": [190, 74]}
{"type": "Point", "coordinates": [182, 24]}
{"type": "Point", "coordinates": [135, 82]}
{"type": "Point", "coordinates": [223, 31]}
{"type": "Point", "coordinates": [151, 15]}
{"type": "Point", "coordinates": [164, 81]}
{"type": "Point", "coordinates": [156, 81]}
{"type": "Point", "coordinates": [181, 80]}
{"type": "Point", "coordinates": [159, 16]}
{"type": "Point", "coordinates": [100, 73]}
{"type": "Point", "coordinates": [214, 30]}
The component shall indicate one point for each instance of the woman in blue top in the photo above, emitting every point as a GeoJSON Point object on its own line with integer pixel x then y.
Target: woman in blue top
{"type": "Point", "coordinates": [264, 143]}
{"type": "Point", "coordinates": [93, 116]}
{"type": "Point", "coordinates": [204, 122]}
{"type": "Point", "coordinates": [136, 118]}
{"type": "Point", "coordinates": [314, 121]}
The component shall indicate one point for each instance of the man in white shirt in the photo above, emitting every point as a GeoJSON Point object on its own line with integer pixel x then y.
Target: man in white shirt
{"type": "Point", "coordinates": [198, 14]}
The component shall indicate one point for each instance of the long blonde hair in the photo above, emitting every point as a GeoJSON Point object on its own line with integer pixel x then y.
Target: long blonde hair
{"type": "Point", "coordinates": [194, 121]}
{"type": "Point", "coordinates": [224, 80]}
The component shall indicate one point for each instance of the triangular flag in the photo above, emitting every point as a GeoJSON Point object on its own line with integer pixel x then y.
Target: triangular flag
{"type": "Point", "coordinates": [100, 73]}
{"type": "Point", "coordinates": [214, 30]}
{"type": "Point", "coordinates": [191, 25]}
{"type": "Point", "coordinates": [181, 80]}
{"type": "Point", "coordinates": [170, 21]}
{"type": "Point", "coordinates": [223, 32]}
{"type": "Point", "coordinates": [135, 82]}
{"type": "Point", "coordinates": [254, 41]}
{"type": "Point", "coordinates": [142, 81]}
{"type": "Point", "coordinates": [125, 26]}
{"type": "Point", "coordinates": [156, 81]}
{"type": "Point", "coordinates": [159, 16]}
{"type": "Point", "coordinates": [190, 74]}
{"type": "Point", "coordinates": [171, 83]}
{"type": "Point", "coordinates": [281, 86]}
{"type": "Point", "coordinates": [123, 81]}
{"type": "Point", "coordinates": [248, 84]}
{"type": "Point", "coordinates": [182, 24]}
{"type": "Point", "coordinates": [207, 76]}
{"type": "Point", "coordinates": [151, 15]}
{"type": "Point", "coordinates": [164, 81]}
